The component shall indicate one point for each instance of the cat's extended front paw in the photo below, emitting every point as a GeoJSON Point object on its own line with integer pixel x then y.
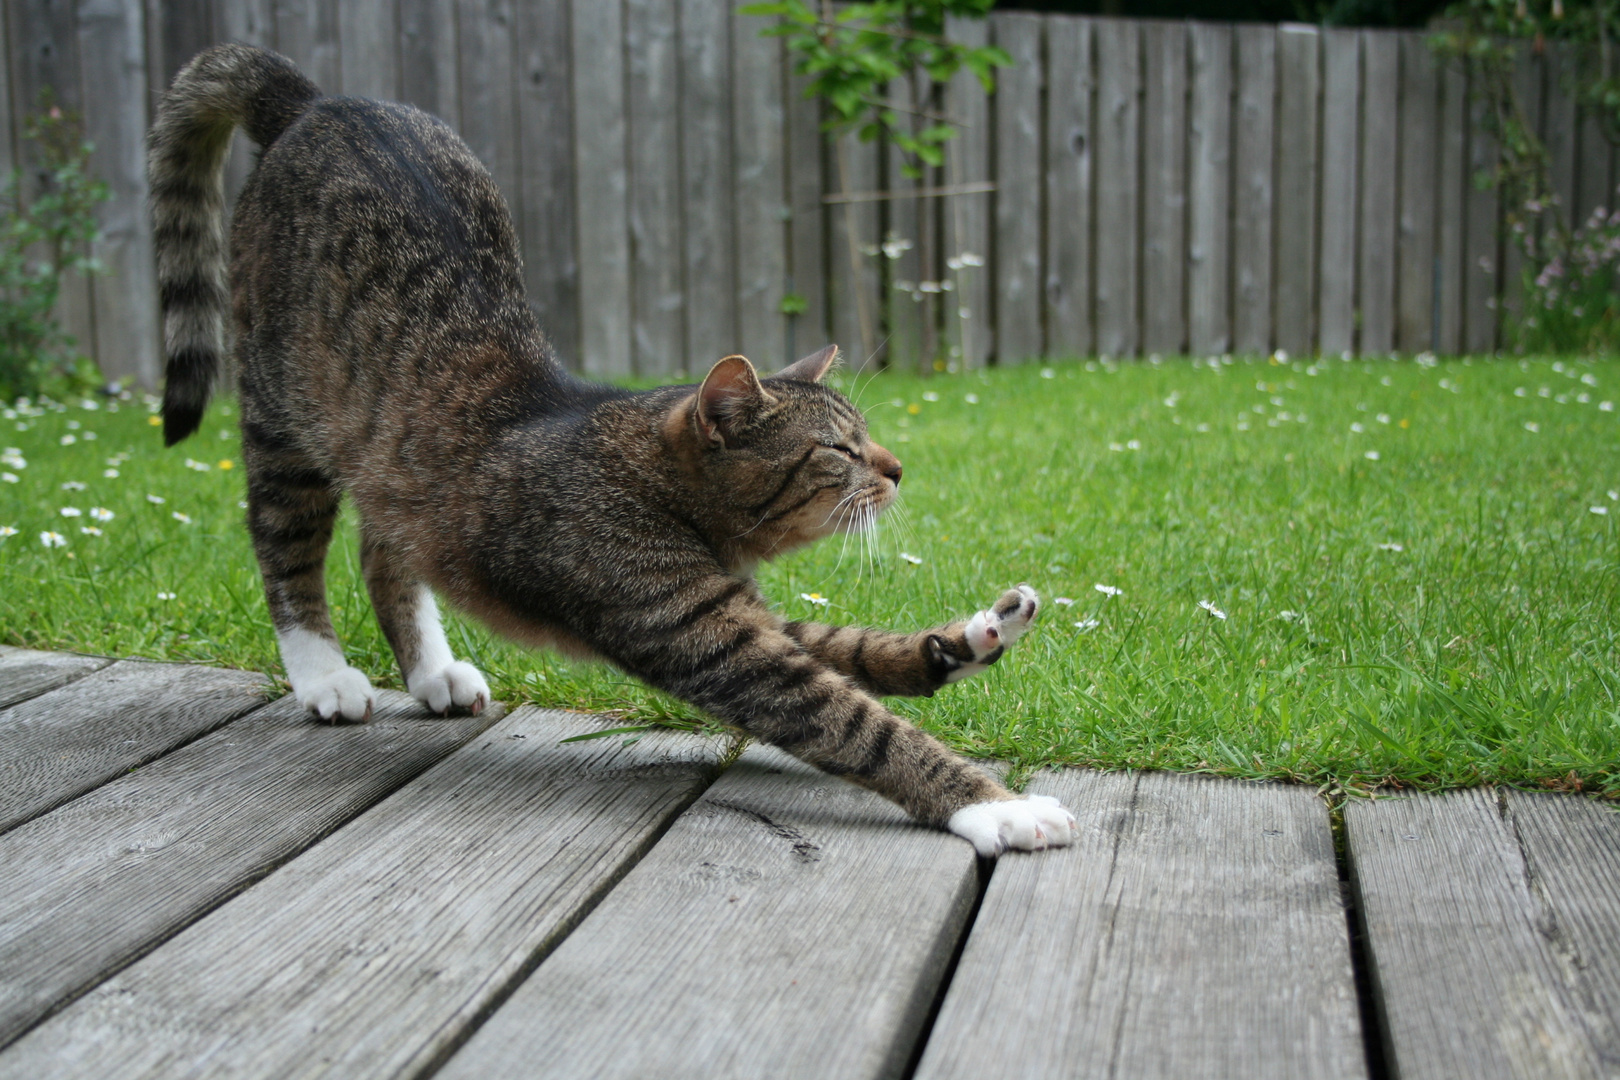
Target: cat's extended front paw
{"type": "Point", "coordinates": [990, 632]}
{"type": "Point", "coordinates": [457, 683]}
{"type": "Point", "coordinates": [1030, 824]}
{"type": "Point", "coordinates": [345, 693]}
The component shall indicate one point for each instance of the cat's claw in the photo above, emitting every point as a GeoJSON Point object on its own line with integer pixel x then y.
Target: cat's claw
{"type": "Point", "coordinates": [1029, 824]}
{"type": "Point", "coordinates": [344, 694]}
{"type": "Point", "coordinates": [991, 631]}
{"type": "Point", "coordinates": [457, 683]}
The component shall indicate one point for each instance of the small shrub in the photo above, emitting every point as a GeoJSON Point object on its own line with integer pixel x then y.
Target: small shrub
{"type": "Point", "coordinates": [1572, 289]}
{"type": "Point", "coordinates": [42, 241]}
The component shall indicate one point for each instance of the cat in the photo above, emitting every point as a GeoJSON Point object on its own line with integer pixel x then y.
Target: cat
{"type": "Point", "coordinates": [385, 350]}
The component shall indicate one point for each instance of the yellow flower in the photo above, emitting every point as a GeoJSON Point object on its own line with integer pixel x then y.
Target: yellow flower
{"type": "Point", "coordinates": [913, 408]}
{"type": "Point", "coordinates": [155, 421]}
{"type": "Point", "coordinates": [226, 464]}
{"type": "Point", "coordinates": [1405, 423]}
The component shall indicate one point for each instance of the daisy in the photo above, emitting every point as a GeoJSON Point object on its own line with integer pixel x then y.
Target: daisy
{"type": "Point", "coordinates": [109, 474]}
{"type": "Point", "coordinates": [89, 530]}
{"type": "Point", "coordinates": [1290, 616]}
{"type": "Point", "coordinates": [10, 477]}
{"type": "Point", "coordinates": [71, 511]}
{"type": "Point", "coordinates": [52, 539]}
{"type": "Point", "coordinates": [7, 530]}
{"type": "Point", "coordinates": [1371, 455]}
{"type": "Point", "coordinates": [156, 500]}
{"type": "Point", "coordinates": [971, 399]}
{"type": "Point", "coordinates": [1392, 546]}
{"type": "Point", "coordinates": [69, 439]}
{"type": "Point", "coordinates": [1108, 590]}
{"type": "Point", "coordinates": [165, 596]}
{"type": "Point", "coordinates": [1531, 426]}
{"type": "Point", "coordinates": [1085, 625]}
{"type": "Point", "coordinates": [184, 519]}
{"type": "Point", "coordinates": [1357, 428]}
{"type": "Point", "coordinates": [101, 513]}
{"type": "Point", "coordinates": [1065, 601]}
{"type": "Point", "coordinates": [912, 559]}
{"type": "Point", "coordinates": [1214, 611]}
{"type": "Point", "coordinates": [1600, 509]}
{"type": "Point", "coordinates": [815, 598]}
{"type": "Point", "coordinates": [73, 485]}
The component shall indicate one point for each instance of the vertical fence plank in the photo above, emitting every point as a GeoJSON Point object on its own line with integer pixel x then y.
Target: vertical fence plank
{"type": "Point", "coordinates": [546, 145]}
{"type": "Point", "coordinates": [903, 256]}
{"type": "Point", "coordinates": [708, 256]}
{"type": "Point", "coordinates": [1209, 284]}
{"type": "Point", "coordinates": [1164, 182]}
{"type": "Point", "coordinates": [761, 207]}
{"type": "Point", "coordinates": [1017, 266]}
{"type": "Point", "coordinates": [1559, 127]}
{"type": "Point", "coordinates": [251, 22]}
{"type": "Point", "coordinates": [45, 50]}
{"type": "Point", "coordinates": [179, 30]}
{"type": "Point", "coordinates": [807, 228]}
{"type": "Point", "coordinates": [1380, 143]}
{"type": "Point", "coordinates": [1480, 240]}
{"type": "Point", "coordinates": [658, 336]}
{"type": "Point", "coordinates": [368, 48]}
{"type": "Point", "coordinates": [856, 292]}
{"type": "Point", "coordinates": [427, 58]}
{"type": "Point", "coordinates": [1119, 80]}
{"type": "Point", "coordinates": [488, 106]}
{"type": "Point", "coordinates": [1416, 241]}
{"type": "Point", "coordinates": [600, 188]}
{"type": "Point", "coordinates": [111, 44]}
{"type": "Point", "coordinates": [969, 318]}
{"type": "Point", "coordinates": [1341, 134]}
{"type": "Point", "coordinates": [1451, 191]}
{"type": "Point", "coordinates": [1594, 186]}
{"type": "Point", "coordinates": [1251, 200]}
{"type": "Point", "coordinates": [1528, 70]}
{"type": "Point", "coordinates": [1299, 78]}
{"type": "Point", "coordinates": [1069, 82]}
{"type": "Point", "coordinates": [8, 112]}
{"type": "Point", "coordinates": [307, 34]}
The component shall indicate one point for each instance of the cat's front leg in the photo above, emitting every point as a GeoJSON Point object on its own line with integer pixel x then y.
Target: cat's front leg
{"type": "Point", "coordinates": [409, 617]}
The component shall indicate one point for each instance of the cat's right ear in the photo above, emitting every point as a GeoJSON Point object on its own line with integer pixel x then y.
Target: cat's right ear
{"type": "Point", "coordinates": [730, 392]}
{"type": "Point", "coordinates": [810, 368]}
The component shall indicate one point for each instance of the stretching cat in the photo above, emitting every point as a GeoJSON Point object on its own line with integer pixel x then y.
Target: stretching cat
{"type": "Point", "coordinates": [385, 350]}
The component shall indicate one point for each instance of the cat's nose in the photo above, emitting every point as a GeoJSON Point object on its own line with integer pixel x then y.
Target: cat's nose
{"type": "Point", "coordinates": [885, 463]}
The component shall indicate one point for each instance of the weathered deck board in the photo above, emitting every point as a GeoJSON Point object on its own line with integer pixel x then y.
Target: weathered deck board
{"type": "Point", "coordinates": [64, 743]}
{"type": "Point", "coordinates": [161, 846]}
{"type": "Point", "coordinates": [788, 924]}
{"type": "Point", "coordinates": [373, 953]}
{"type": "Point", "coordinates": [1195, 930]}
{"type": "Point", "coordinates": [1491, 931]}
{"type": "Point", "coordinates": [26, 673]}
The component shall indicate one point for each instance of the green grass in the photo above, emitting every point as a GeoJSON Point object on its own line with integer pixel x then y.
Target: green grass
{"type": "Point", "coordinates": [1442, 614]}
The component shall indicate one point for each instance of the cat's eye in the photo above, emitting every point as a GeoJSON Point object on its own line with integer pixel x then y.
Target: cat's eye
{"type": "Point", "coordinates": [846, 451]}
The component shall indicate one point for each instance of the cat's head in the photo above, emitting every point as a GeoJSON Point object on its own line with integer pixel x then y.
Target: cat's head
{"type": "Point", "coordinates": [781, 461]}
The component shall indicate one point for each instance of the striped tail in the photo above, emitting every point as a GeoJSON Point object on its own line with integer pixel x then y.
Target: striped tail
{"type": "Point", "coordinates": [220, 89]}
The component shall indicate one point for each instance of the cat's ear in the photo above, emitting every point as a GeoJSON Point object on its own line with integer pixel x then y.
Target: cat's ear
{"type": "Point", "coordinates": [810, 368]}
{"type": "Point", "coordinates": [730, 392]}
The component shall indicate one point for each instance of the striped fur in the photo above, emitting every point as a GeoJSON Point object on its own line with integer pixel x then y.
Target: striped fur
{"type": "Point", "coordinates": [386, 352]}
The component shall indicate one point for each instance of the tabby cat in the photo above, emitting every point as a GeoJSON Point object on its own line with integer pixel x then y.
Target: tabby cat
{"type": "Point", "coordinates": [386, 350]}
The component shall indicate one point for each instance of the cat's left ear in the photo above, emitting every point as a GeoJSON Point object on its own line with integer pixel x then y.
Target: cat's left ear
{"type": "Point", "coordinates": [810, 368]}
{"type": "Point", "coordinates": [729, 393]}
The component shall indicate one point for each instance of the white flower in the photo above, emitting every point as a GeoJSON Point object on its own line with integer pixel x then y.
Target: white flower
{"type": "Point", "coordinates": [1290, 616]}
{"type": "Point", "coordinates": [1391, 546]}
{"type": "Point", "coordinates": [198, 466]}
{"type": "Point", "coordinates": [970, 259]}
{"type": "Point", "coordinates": [1085, 625]}
{"type": "Point", "coordinates": [814, 598]}
{"type": "Point", "coordinates": [52, 539]}
{"type": "Point", "coordinates": [1589, 379]}
{"type": "Point", "coordinates": [1202, 428]}
{"type": "Point", "coordinates": [1519, 391]}
{"type": "Point", "coordinates": [89, 404]}
{"type": "Point", "coordinates": [89, 530]}
{"type": "Point", "coordinates": [109, 474]}
{"type": "Point", "coordinates": [165, 596]}
{"type": "Point", "coordinates": [1134, 444]}
{"type": "Point", "coordinates": [101, 513]}
{"type": "Point", "coordinates": [1613, 495]}
{"type": "Point", "coordinates": [1371, 455]}
{"type": "Point", "coordinates": [9, 477]}
{"type": "Point", "coordinates": [912, 559]}
{"type": "Point", "coordinates": [1531, 426]}
{"type": "Point", "coordinates": [7, 530]}
{"type": "Point", "coordinates": [929, 395]}
{"type": "Point", "coordinates": [183, 519]}
{"type": "Point", "coordinates": [13, 458]}
{"type": "Point", "coordinates": [1118, 448]}
{"type": "Point", "coordinates": [1108, 590]}
{"type": "Point", "coordinates": [1383, 418]}
{"type": "Point", "coordinates": [72, 511]}
{"type": "Point", "coordinates": [69, 439]}
{"type": "Point", "coordinates": [1544, 391]}
{"type": "Point", "coordinates": [156, 500]}
{"type": "Point", "coordinates": [971, 399]}
{"type": "Point", "coordinates": [1600, 509]}
{"type": "Point", "coordinates": [73, 485]}
{"type": "Point", "coordinates": [89, 436]}
{"type": "Point", "coordinates": [1214, 611]}
{"type": "Point", "coordinates": [1605, 406]}
{"type": "Point", "coordinates": [1064, 601]}
{"type": "Point", "coordinates": [1048, 373]}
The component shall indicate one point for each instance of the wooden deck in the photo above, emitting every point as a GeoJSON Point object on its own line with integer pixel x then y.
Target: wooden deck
{"type": "Point", "coordinates": [196, 883]}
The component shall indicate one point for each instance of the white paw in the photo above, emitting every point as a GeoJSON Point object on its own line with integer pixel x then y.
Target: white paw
{"type": "Point", "coordinates": [457, 683]}
{"type": "Point", "coordinates": [1031, 824]}
{"type": "Point", "coordinates": [344, 693]}
{"type": "Point", "coordinates": [990, 632]}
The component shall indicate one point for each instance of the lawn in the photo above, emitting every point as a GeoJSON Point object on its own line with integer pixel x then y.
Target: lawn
{"type": "Point", "coordinates": [1354, 573]}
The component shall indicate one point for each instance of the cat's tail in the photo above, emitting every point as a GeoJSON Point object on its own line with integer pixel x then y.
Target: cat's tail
{"type": "Point", "coordinates": [219, 90]}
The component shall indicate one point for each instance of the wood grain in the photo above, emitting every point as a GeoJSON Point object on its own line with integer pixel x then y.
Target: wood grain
{"type": "Point", "coordinates": [1416, 239]}
{"type": "Point", "coordinates": [368, 49]}
{"type": "Point", "coordinates": [759, 153]}
{"type": "Point", "coordinates": [1481, 238]}
{"type": "Point", "coordinates": [1164, 188]}
{"type": "Point", "coordinates": [1209, 256]}
{"type": "Point", "coordinates": [970, 327]}
{"type": "Point", "coordinates": [96, 883]}
{"type": "Point", "coordinates": [1299, 88]}
{"type": "Point", "coordinates": [1196, 929]}
{"type": "Point", "coordinates": [307, 34]}
{"type": "Point", "coordinates": [545, 111]}
{"type": "Point", "coordinates": [1255, 127]}
{"type": "Point", "coordinates": [788, 924]}
{"type": "Point", "coordinates": [905, 312]}
{"type": "Point", "coordinates": [1491, 922]}
{"type": "Point", "coordinates": [706, 184]}
{"type": "Point", "coordinates": [652, 89]}
{"type": "Point", "coordinates": [489, 121]}
{"type": "Point", "coordinates": [1450, 195]}
{"type": "Point", "coordinates": [1341, 139]}
{"type": "Point", "coordinates": [1380, 159]}
{"type": "Point", "coordinates": [62, 744]}
{"type": "Point", "coordinates": [375, 952]}
{"type": "Point", "coordinates": [807, 228]}
{"type": "Point", "coordinates": [26, 673]}
{"type": "Point", "coordinates": [1017, 102]}
{"type": "Point", "coordinates": [601, 188]}
{"type": "Point", "coordinates": [1119, 184]}
{"type": "Point", "coordinates": [428, 58]}
{"type": "Point", "coordinates": [1071, 85]}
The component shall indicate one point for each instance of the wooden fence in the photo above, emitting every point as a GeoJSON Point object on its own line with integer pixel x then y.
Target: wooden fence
{"type": "Point", "coordinates": [1157, 187]}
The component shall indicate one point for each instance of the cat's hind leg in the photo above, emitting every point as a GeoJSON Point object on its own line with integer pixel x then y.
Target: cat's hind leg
{"type": "Point", "coordinates": [409, 617]}
{"type": "Point", "coordinates": [291, 511]}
